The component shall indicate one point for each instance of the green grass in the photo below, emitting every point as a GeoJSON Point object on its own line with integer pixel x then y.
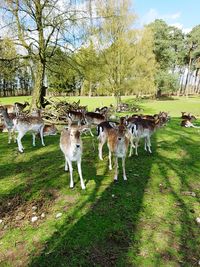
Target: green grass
{"type": "Point", "coordinates": [147, 221]}
{"type": "Point", "coordinates": [191, 104]}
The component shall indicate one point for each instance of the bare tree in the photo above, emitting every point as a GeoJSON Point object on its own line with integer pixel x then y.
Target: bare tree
{"type": "Point", "coordinates": [40, 26]}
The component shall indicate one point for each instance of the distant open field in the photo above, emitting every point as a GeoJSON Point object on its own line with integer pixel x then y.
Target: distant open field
{"type": "Point", "coordinates": [191, 104]}
{"type": "Point", "coordinates": [150, 220]}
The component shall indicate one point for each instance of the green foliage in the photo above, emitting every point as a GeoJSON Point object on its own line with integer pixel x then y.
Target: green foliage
{"type": "Point", "coordinates": [166, 82]}
{"type": "Point", "coordinates": [194, 42]}
{"type": "Point", "coordinates": [62, 73]}
{"type": "Point", "coordinates": [8, 59]}
{"type": "Point", "coordinates": [129, 63]}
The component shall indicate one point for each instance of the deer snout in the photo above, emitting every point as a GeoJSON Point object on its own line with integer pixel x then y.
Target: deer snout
{"type": "Point", "coordinates": [119, 138]}
{"type": "Point", "coordinates": [77, 146]}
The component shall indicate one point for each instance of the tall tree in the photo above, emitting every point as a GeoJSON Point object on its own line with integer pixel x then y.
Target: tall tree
{"type": "Point", "coordinates": [119, 45]}
{"type": "Point", "coordinates": [39, 25]}
{"type": "Point", "coordinates": [167, 47]}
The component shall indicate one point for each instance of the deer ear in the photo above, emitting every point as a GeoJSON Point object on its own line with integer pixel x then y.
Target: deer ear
{"type": "Point", "coordinates": [112, 124]}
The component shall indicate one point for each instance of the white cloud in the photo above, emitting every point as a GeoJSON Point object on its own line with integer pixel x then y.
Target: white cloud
{"type": "Point", "coordinates": [153, 14]}
{"type": "Point", "coordinates": [171, 19]}
{"type": "Point", "coordinates": [180, 26]}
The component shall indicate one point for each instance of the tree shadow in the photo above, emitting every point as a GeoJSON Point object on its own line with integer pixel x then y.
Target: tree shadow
{"type": "Point", "coordinates": [102, 236]}
{"type": "Point", "coordinates": [103, 233]}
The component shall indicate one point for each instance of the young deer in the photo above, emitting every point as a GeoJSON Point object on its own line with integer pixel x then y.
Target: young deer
{"type": "Point", "coordinates": [25, 124]}
{"type": "Point", "coordinates": [8, 122]}
{"type": "Point", "coordinates": [75, 117]}
{"type": "Point", "coordinates": [71, 146]}
{"type": "Point", "coordinates": [142, 128]}
{"type": "Point", "coordinates": [10, 108]}
{"type": "Point", "coordinates": [103, 130]}
{"type": "Point", "coordinates": [92, 118]}
{"type": "Point", "coordinates": [118, 143]}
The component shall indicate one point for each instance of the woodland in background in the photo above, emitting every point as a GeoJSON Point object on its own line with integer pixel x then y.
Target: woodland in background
{"type": "Point", "coordinates": [93, 48]}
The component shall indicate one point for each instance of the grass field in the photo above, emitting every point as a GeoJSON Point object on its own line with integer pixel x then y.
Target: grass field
{"type": "Point", "coordinates": [150, 220]}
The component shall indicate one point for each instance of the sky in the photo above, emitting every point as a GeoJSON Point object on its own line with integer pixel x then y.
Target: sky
{"type": "Point", "coordinates": [184, 14]}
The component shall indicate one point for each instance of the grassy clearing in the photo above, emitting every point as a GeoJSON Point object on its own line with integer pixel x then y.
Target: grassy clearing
{"type": "Point", "coordinates": [147, 221]}
{"type": "Point", "coordinates": [191, 104]}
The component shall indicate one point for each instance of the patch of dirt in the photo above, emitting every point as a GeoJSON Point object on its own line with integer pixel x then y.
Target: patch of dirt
{"type": "Point", "coordinates": [109, 253]}
{"type": "Point", "coordinates": [17, 211]}
{"type": "Point", "coordinates": [17, 257]}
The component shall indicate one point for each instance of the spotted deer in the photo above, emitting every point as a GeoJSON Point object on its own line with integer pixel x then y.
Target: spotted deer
{"type": "Point", "coordinates": [28, 124]}
{"type": "Point", "coordinates": [8, 122]}
{"type": "Point", "coordinates": [142, 128]}
{"type": "Point", "coordinates": [118, 142]}
{"type": "Point", "coordinates": [93, 118]}
{"type": "Point", "coordinates": [10, 108]}
{"type": "Point", "coordinates": [103, 130]}
{"type": "Point", "coordinates": [75, 117]}
{"type": "Point", "coordinates": [71, 146]}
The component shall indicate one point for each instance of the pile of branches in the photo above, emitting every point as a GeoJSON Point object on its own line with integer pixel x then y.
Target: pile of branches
{"type": "Point", "coordinates": [124, 107]}
{"type": "Point", "coordinates": [56, 110]}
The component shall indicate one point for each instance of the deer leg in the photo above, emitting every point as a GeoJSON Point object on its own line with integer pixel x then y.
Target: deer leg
{"type": "Point", "coordinates": [66, 165]}
{"type": "Point", "coordinates": [116, 169]}
{"type": "Point", "coordinates": [136, 147]}
{"type": "Point", "coordinates": [149, 144]}
{"type": "Point", "coordinates": [110, 160]}
{"type": "Point", "coordinates": [80, 174]}
{"type": "Point", "coordinates": [91, 132]}
{"type": "Point", "coordinates": [123, 167]}
{"type": "Point", "coordinates": [71, 173]}
{"type": "Point", "coordinates": [131, 147]}
{"type": "Point", "coordinates": [9, 136]}
{"type": "Point", "coordinates": [33, 134]}
{"type": "Point", "coordinates": [145, 143]}
{"type": "Point", "coordinates": [101, 144]}
{"type": "Point", "coordinates": [41, 135]}
{"type": "Point", "coordinates": [15, 138]}
{"type": "Point", "coordinates": [19, 142]}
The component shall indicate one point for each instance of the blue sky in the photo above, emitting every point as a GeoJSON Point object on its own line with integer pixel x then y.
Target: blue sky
{"type": "Point", "coordinates": [184, 14]}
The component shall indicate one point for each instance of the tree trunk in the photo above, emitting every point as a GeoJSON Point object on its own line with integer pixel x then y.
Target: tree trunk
{"type": "Point", "coordinates": [38, 90]}
{"type": "Point", "coordinates": [90, 89]}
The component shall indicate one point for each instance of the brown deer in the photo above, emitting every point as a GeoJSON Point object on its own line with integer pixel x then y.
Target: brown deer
{"type": "Point", "coordinates": [93, 118]}
{"type": "Point", "coordinates": [8, 122]}
{"type": "Point", "coordinates": [25, 124]}
{"type": "Point", "coordinates": [118, 141]}
{"type": "Point", "coordinates": [71, 146]}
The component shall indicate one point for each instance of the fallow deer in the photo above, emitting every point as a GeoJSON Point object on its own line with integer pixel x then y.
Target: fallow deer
{"type": "Point", "coordinates": [93, 118]}
{"type": "Point", "coordinates": [71, 146]}
{"type": "Point", "coordinates": [10, 108]}
{"type": "Point", "coordinates": [118, 141]}
{"type": "Point", "coordinates": [189, 116]}
{"type": "Point", "coordinates": [188, 124]}
{"type": "Point", "coordinates": [28, 124]}
{"type": "Point", "coordinates": [8, 122]}
{"type": "Point", "coordinates": [102, 132]}
{"type": "Point", "coordinates": [143, 128]}
{"type": "Point", "coordinates": [75, 117]}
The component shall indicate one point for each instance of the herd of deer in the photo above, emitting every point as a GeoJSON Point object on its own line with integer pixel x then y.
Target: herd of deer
{"type": "Point", "coordinates": [118, 135]}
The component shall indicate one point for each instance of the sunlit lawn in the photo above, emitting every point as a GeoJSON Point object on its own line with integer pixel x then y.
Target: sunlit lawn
{"type": "Point", "coordinates": [150, 220]}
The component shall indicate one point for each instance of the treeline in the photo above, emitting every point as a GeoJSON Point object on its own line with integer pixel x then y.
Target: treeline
{"type": "Point", "coordinates": [93, 48]}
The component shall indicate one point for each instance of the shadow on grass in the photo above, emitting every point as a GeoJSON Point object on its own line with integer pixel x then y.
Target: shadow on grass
{"type": "Point", "coordinates": [102, 236]}
{"type": "Point", "coordinates": [186, 169]}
